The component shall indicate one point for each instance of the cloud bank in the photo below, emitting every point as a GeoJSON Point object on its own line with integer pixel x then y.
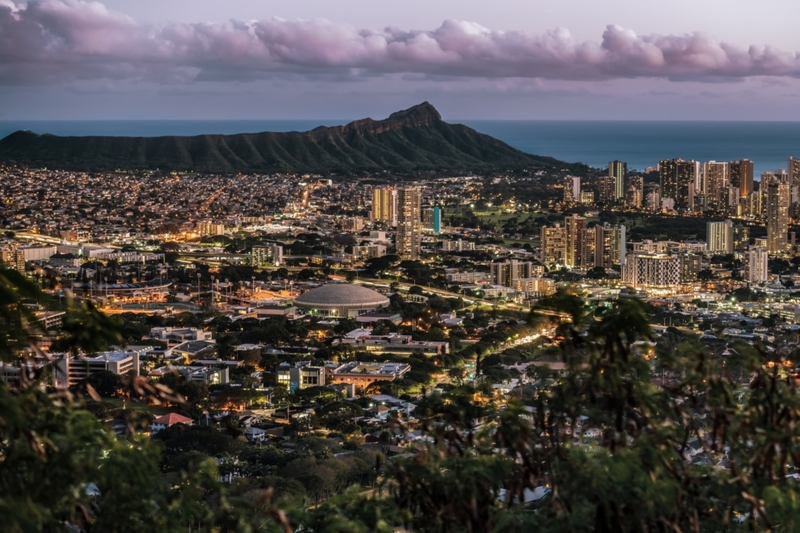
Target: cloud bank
{"type": "Point", "coordinates": [52, 40]}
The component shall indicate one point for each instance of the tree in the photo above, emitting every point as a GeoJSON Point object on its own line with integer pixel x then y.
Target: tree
{"type": "Point", "coordinates": [457, 374]}
{"type": "Point", "coordinates": [60, 467]}
{"type": "Point", "coordinates": [226, 346]}
{"type": "Point", "coordinates": [105, 383]}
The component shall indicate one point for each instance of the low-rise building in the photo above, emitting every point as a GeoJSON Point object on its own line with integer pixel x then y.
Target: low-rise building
{"type": "Point", "coordinates": [70, 370]}
{"type": "Point", "coordinates": [165, 421]}
{"type": "Point", "coordinates": [370, 318]}
{"type": "Point", "coordinates": [300, 375]}
{"type": "Point", "coordinates": [179, 335]}
{"type": "Point", "coordinates": [362, 374]}
{"type": "Point", "coordinates": [363, 339]}
{"type": "Point", "coordinates": [194, 349]}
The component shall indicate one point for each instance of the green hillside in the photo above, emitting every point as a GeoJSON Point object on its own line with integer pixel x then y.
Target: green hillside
{"type": "Point", "coordinates": [413, 139]}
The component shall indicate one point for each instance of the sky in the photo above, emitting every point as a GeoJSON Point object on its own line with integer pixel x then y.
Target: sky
{"type": "Point", "coordinates": [344, 59]}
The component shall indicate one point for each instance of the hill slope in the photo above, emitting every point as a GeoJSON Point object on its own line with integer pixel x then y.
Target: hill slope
{"type": "Point", "coordinates": [414, 139]}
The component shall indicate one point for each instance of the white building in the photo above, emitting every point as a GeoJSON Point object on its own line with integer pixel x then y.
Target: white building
{"type": "Point", "coordinates": [71, 370]}
{"type": "Point", "coordinates": [757, 264]}
{"type": "Point", "coordinates": [33, 252]}
{"type": "Point", "coordinates": [267, 255]}
{"type": "Point", "coordinates": [651, 271]}
{"type": "Point", "coordinates": [719, 237]}
{"type": "Point", "coordinates": [535, 286]}
{"type": "Point", "coordinates": [508, 272]}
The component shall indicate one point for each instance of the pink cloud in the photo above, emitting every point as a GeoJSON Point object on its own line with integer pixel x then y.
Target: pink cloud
{"type": "Point", "coordinates": [50, 40]}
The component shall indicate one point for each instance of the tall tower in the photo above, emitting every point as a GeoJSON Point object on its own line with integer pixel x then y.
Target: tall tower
{"type": "Point", "coordinates": [794, 178]}
{"type": "Point", "coordinates": [715, 180]}
{"type": "Point", "coordinates": [667, 177]}
{"type": "Point", "coordinates": [409, 235]}
{"type": "Point", "coordinates": [793, 168]}
{"type": "Point", "coordinates": [757, 264]}
{"type": "Point", "coordinates": [741, 176]}
{"type": "Point", "coordinates": [384, 205]}
{"type": "Point", "coordinates": [618, 169]}
{"type": "Point", "coordinates": [686, 179]}
{"type": "Point", "coordinates": [678, 181]}
{"type": "Point", "coordinates": [553, 239]}
{"type": "Point", "coordinates": [574, 240]}
{"type": "Point", "coordinates": [719, 237]}
{"type": "Point", "coordinates": [634, 192]}
{"type": "Point", "coordinates": [777, 216]}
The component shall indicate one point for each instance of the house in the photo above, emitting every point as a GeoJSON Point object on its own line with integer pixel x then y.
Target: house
{"type": "Point", "coordinates": [168, 420]}
{"type": "Point", "coordinates": [254, 434]}
{"type": "Point", "coordinates": [380, 412]}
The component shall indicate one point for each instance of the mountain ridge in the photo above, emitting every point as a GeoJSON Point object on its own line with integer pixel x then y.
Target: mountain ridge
{"type": "Point", "coordinates": [414, 139]}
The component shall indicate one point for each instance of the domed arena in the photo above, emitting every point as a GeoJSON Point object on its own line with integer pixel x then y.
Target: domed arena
{"type": "Point", "coordinates": [340, 300]}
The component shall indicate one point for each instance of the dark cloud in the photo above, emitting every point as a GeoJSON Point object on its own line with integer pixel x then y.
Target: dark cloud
{"type": "Point", "coordinates": [50, 40]}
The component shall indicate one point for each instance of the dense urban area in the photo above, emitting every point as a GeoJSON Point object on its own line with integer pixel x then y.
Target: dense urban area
{"type": "Point", "coordinates": [301, 332]}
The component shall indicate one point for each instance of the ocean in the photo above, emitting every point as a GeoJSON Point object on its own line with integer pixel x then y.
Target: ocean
{"type": "Point", "coordinates": [639, 143]}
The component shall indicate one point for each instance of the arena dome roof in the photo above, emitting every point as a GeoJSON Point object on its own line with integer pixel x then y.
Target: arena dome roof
{"type": "Point", "coordinates": [342, 295]}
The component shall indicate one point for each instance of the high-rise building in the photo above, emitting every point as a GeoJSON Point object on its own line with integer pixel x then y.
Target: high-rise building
{"type": "Point", "coordinates": [614, 245]}
{"type": "Point", "coordinates": [590, 247]}
{"type": "Point", "coordinates": [207, 227]}
{"type": "Point", "coordinates": [778, 176]}
{"type": "Point", "coordinates": [667, 177]}
{"type": "Point", "coordinates": [734, 201]}
{"type": "Point", "coordinates": [719, 237]}
{"type": "Point", "coordinates": [572, 189]}
{"type": "Point", "coordinates": [432, 219]}
{"type": "Point", "coordinates": [714, 181]}
{"type": "Point", "coordinates": [644, 270]}
{"type": "Point", "coordinates": [554, 245]}
{"type": "Point", "coordinates": [678, 181]}
{"type": "Point", "coordinates": [690, 266]}
{"type": "Point", "coordinates": [777, 217]}
{"type": "Point", "coordinates": [741, 176]}
{"type": "Point", "coordinates": [574, 226]}
{"type": "Point", "coordinates": [535, 287]}
{"type": "Point", "coordinates": [618, 169]}
{"type": "Point", "coordinates": [409, 236]}
{"type": "Point", "coordinates": [634, 193]}
{"type": "Point", "coordinates": [686, 181]}
{"type": "Point", "coordinates": [756, 203]}
{"type": "Point", "coordinates": [606, 189]}
{"type": "Point", "coordinates": [793, 168]}
{"type": "Point", "coordinates": [741, 238]}
{"type": "Point", "coordinates": [577, 246]}
{"type": "Point", "coordinates": [384, 205]}
{"type": "Point", "coordinates": [653, 199]}
{"type": "Point", "coordinates": [757, 264]}
{"type": "Point", "coordinates": [267, 255]}
{"type": "Point", "coordinates": [509, 272]}
{"type": "Point", "coordinates": [12, 256]}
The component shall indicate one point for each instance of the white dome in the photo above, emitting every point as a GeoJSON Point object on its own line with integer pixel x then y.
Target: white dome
{"type": "Point", "coordinates": [342, 295]}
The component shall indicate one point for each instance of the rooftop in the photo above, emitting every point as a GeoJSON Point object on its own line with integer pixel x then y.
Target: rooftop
{"type": "Point", "coordinates": [342, 294]}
